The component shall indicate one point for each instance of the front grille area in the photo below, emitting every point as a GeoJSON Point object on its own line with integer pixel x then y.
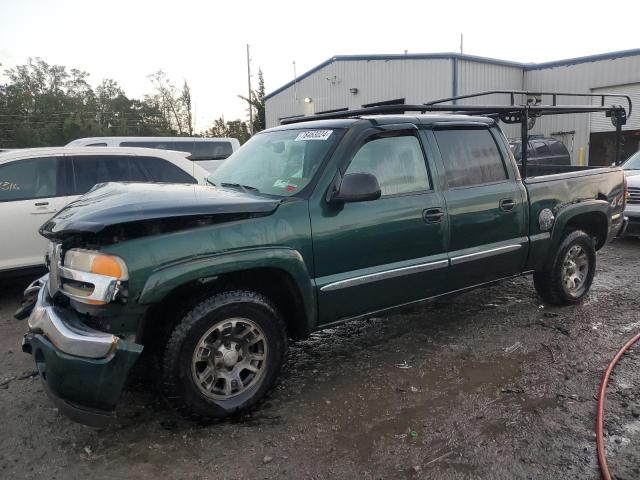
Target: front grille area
{"type": "Point", "coordinates": [634, 195]}
{"type": "Point", "coordinates": [53, 256]}
{"type": "Point", "coordinates": [634, 227]}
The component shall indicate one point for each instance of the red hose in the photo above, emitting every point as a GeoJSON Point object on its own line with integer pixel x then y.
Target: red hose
{"type": "Point", "coordinates": [602, 460]}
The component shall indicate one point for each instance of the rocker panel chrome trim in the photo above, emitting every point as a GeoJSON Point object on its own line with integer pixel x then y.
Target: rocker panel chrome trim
{"type": "Point", "coordinates": [485, 254]}
{"type": "Point", "coordinates": [374, 277]}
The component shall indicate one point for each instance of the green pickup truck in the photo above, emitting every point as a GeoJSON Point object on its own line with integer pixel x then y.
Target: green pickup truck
{"type": "Point", "coordinates": [307, 225]}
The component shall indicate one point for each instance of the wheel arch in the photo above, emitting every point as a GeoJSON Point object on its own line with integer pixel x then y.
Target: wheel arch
{"type": "Point", "coordinates": [278, 273]}
{"type": "Point", "coordinates": [590, 217]}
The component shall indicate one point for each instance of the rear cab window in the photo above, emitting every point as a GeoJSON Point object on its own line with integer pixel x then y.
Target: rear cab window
{"type": "Point", "coordinates": [471, 157]}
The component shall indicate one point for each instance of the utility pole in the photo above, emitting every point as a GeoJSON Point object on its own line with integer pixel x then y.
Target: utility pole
{"type": "Point", "coordinates": [250, 93]}
{"type": "Point", "coordinates": [295, 82]}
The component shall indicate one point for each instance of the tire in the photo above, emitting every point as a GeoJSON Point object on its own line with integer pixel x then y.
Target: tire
{"type": "Point", "coordinates": [210, 367]}
{"type": "Point", "coordinates": [566, 282]}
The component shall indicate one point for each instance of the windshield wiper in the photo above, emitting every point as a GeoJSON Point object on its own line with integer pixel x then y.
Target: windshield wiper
{"type": "Point", "coordinates": [244, 188]}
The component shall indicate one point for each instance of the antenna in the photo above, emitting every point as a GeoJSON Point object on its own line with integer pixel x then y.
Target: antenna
{"type": "Point", "coordinates": [461, 43]}
{"type": "Point", "coordinates": [295, 82]}
{"type": "Point", "coordinates": [249, 97]}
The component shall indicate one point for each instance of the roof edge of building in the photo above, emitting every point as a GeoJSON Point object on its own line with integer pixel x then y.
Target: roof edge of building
{"type": "Point", "coordinates": [588, 58]}
{"type": "Point", "coordinates": [457, 56]}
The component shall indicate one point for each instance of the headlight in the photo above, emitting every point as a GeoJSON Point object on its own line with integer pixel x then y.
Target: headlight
{"type": "Point", "coordinates": [98, 263]}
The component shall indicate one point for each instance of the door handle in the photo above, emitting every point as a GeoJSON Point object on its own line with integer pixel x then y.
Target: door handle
{"type": "Point", "coordinates": [507, 204]}
{"type": "Point", "coordinates": [43, 208]}
{"type": "Point", "coordinates": [432, 215]}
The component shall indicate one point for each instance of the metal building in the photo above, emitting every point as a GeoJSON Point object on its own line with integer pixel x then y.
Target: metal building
{"type": "Point", "coordinates": [353, 81]}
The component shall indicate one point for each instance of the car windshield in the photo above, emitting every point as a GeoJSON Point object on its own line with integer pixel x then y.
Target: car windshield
{"type": "Point", "coordinates": [276, 163]}
{"type": "Point", "coordinates": [633, 162]}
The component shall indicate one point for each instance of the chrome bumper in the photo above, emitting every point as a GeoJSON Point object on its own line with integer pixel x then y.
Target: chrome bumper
{"type": "Point", "coordinates": [65, 331]}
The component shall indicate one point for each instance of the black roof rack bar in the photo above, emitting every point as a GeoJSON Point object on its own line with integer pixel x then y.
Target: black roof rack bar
{"type": "Point", "coordinates": [462, 109]}
{"type": "Point", "coordinates": [534, 94]}
{"type": "Point", "coordinates": [512, 113]}
{"type": "Point", "coordinates": [437, 106]}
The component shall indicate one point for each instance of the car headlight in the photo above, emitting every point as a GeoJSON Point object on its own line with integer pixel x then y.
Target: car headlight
{"type": "Point", "coordinates": [95, 262]}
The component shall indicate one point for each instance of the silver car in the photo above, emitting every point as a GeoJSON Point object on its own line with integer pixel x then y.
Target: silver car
{"type": "Point", "coordinates": [632, 172]}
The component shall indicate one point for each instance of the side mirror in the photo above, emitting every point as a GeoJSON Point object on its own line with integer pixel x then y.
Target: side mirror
{"type": "Point", "coordinates": [357, 187]}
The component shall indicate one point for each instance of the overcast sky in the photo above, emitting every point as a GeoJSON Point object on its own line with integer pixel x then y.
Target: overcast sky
{"type": "Point", "coordinates": [204, 42]}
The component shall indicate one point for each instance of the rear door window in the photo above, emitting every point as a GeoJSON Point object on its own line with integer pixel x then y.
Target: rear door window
{"type": "Point", "coordinates": [159, 170]}
{"type": "Point", "coordinates": [89, 170]}
{"type": "Point", "coordinates": [470, 156]}
{"type": "Point", "coordinates": [32, 178]}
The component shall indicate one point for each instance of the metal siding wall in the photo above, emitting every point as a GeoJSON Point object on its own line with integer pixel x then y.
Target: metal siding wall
{"type": "Point", "coordinates": [421, 80]}
{"type": "Point", "coordinates": [478, 77]}
{"type": "Point", "coordinates": [601, 123]}
{"type": "Point", "coordinates": [581, 77]}
{"type": "Point", "coordinates": [417, 81]}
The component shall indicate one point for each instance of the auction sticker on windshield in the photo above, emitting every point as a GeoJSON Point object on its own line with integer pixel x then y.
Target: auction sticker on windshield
{"type": "Point", "coordinates": [314, 135]}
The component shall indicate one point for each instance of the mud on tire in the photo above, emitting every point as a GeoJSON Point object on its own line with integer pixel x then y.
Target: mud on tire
{"type": "Point", "coordinates": [224, 356]}
{"type": "Point", "coordinates": [570, 274]}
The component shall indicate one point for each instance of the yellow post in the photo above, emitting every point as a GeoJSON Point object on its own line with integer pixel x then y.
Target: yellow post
{"type": "Point", "coordinates": [581, 156]}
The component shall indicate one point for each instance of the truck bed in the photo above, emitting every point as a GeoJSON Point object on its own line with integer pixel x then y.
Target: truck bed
{"type": "Point", "coordinates": [599, 192]}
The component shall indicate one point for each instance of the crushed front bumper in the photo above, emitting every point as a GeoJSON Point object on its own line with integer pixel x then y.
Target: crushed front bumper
{"type": "Point", "coordinates": [83, 370]}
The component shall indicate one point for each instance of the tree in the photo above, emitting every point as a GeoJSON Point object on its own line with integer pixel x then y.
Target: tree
{"type": "Point", "coordinates": [44, 105]}
{"type": "Point", "coordinates": [174, 105]}
{"type": "Point", "coordinates": [256, 102]}
{"type": "Point", "coordinates": [185, 98]}
{"type": "Point", "coordinates": [234, 129]}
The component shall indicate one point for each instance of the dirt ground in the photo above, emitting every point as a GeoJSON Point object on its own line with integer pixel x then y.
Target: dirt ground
{"type": "Point", "coordinates": [489, 384]}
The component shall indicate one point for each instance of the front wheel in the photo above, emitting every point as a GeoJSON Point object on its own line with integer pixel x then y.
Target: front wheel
{"type": "Point", "coordinates": [571, 273]}
{"type": "Point", "coordinates": [224, 355]}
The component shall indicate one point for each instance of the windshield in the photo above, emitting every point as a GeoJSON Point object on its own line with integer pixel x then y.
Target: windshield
{"type": "Point", "coordinates": [633, 162]}
{"type": "Point", "coordinates": [276, 163]}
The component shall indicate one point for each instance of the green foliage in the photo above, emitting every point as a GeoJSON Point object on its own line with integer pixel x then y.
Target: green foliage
{"type": "Point", "coordinates": [43, 105]}
{"type": "Point", "coordinates": [233, 128]}
{"type": "Point", "coordinates": [256, 102]}
{"type": "Point", "coordinates": [46, 105]}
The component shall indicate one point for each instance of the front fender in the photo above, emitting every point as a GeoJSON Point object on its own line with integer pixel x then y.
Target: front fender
{"type": "Point", "coordinates": [165, 279]}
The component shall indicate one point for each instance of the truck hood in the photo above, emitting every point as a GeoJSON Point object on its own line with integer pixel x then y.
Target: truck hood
{"type": "Point", "coordinates": [111, 204]}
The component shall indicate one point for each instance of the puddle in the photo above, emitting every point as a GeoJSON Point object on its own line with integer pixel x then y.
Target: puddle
{"type": "Point", "coordinates": [481, 375]}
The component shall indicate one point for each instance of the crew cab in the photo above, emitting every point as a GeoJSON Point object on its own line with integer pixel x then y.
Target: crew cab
{"type": "Point", "coordinates": [307, 225]}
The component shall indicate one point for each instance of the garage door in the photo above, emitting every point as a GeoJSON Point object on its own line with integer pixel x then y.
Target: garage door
{"type": "Point", "coordinates": [600, 123]}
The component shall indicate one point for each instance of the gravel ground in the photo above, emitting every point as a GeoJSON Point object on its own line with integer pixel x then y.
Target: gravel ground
{"type": "Point", "coordinates": [490, 384]}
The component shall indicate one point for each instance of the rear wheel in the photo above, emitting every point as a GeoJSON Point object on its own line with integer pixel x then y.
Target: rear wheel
{"type": "Point", "coordinates": [224, 355]}
{"type": "Point", "coordinates": [571, 272]}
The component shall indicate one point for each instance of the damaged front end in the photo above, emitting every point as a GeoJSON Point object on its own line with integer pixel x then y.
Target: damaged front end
{"type": "Point", "coordinates": [85, 321]}
{"type": "Point", "coordinates": [83, 367]}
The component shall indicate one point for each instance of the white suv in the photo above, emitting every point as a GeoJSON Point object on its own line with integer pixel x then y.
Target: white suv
{"type": "Point", "coordinates": [35, 183]}
{"type": "Point", "coordinates": [207, 152]}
